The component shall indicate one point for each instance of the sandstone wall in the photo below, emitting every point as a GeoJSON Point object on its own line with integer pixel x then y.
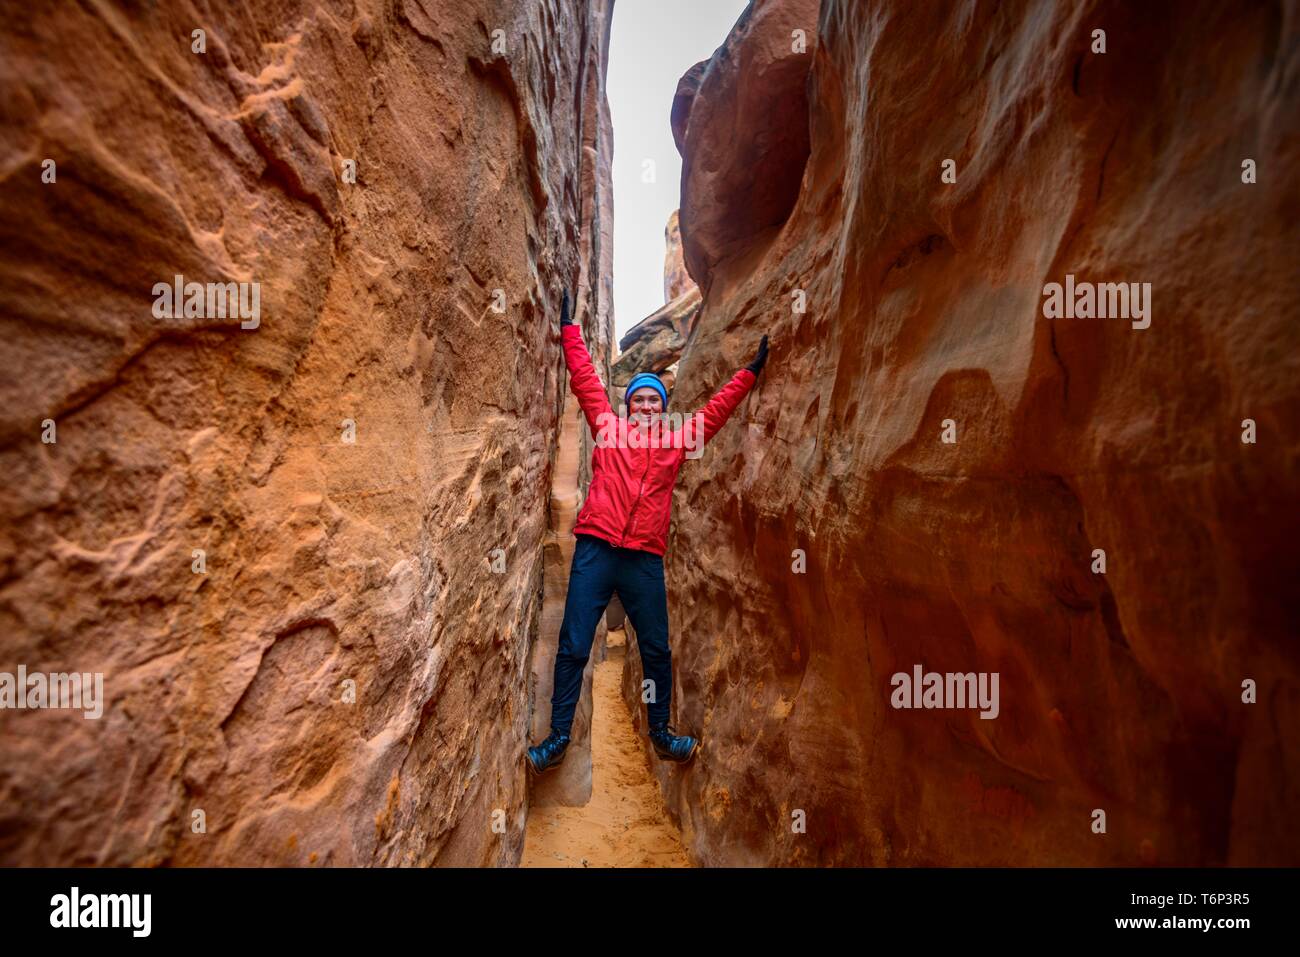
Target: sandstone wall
{"type": "Point", "coordinates": [327, 561]}
{"type": "Point", "coordinates": [570, 783]}
{"type": "Point", "coordinates": [676, 279]}
{"type": "Point", "coordinates": [1119, 691]}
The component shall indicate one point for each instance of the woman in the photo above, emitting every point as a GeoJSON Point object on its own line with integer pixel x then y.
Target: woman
{"type": "Point", "coordinates": [622, 534]}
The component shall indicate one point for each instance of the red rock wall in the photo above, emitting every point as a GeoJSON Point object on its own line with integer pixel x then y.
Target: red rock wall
{"type": "Point", "coordinates": [570, 783]}
{"type": "Point", "coordinates": [327, 561]}
{"type": "Point", "coordinates": [1119, 691]}
{"type": "Point", "coordinates": [676, 279]}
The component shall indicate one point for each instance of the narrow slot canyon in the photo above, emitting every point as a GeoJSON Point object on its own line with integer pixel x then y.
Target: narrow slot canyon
{"type": "Point", "coordinates": [623, 821]}
{"type": "Point", "coordinates": [320, 555]}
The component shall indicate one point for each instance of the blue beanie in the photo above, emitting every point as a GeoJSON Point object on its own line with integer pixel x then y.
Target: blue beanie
{"type": "Point", "coordinates": [640, 381]}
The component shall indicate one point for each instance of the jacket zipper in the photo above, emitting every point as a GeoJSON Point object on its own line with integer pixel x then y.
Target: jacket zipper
{"type": "Point", "coordinates": [639, 492]}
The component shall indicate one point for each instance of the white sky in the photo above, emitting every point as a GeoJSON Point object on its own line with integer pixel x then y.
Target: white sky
{"type": "Point", "coordinates": [652, 43]}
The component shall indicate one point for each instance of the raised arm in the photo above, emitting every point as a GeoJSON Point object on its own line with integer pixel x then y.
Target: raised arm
{"type": "Point", "coordinates": [718, 409]}
{"type": "Point", "coordinates": [583, 380]}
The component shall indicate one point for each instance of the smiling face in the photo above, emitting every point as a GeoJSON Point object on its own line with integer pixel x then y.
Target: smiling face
{"type": "Point", "coordinates": [645, 405]}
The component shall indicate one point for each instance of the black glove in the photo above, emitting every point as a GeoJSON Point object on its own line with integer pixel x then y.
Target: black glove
{"type": "Point", "coordinates": [757, 365]}
{"type": "Point", "coordinates": [564, 311]}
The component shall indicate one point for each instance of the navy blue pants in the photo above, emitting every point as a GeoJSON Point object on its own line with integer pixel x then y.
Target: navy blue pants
{"type": "Point", "coordinates": [598, 570]}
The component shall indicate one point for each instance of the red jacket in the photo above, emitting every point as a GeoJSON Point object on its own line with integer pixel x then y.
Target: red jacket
{"type": "Point", "coordinates": [630, 500]}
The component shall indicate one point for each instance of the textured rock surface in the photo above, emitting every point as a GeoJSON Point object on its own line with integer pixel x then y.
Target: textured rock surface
{"type": "Point", "coordinates": [656, 342]}
{"type": "Point", "coordinates": [571, 783]}
{"type": "Point", "coordinates": [676, 279]}
{"type": "Point", "coordinates": [326, 561]}
{"type": "Point", "coordinates": [1120, 691]}
{"type": "Point", "coordinates": [758, 124]}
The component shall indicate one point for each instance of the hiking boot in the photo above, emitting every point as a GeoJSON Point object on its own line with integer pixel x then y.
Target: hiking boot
{"type": "Point", "coordinates": [671, 746]}
{"type": "Point", "coordinates": [549, 753]}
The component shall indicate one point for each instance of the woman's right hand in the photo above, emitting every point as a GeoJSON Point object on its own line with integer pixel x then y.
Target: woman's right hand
{"type": "Point", "coordinates": [564, 311]}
